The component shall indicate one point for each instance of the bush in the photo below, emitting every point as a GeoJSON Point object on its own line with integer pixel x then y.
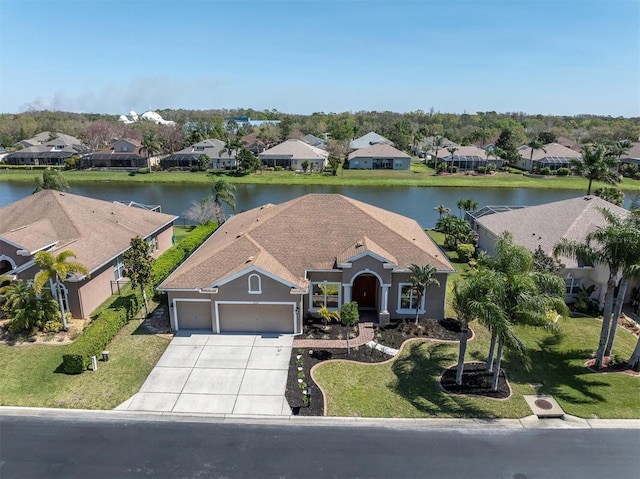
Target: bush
{"type": "Point", "coordinates": [110, 321]}
{"type": "Point", "coordinates": [142, 171]}
{"type": "Point", "coordinates": [481, 169]}
{"type": "Point", "coordinates": [563, 172]}
{"type": "Point", "coordinates": [279, 168]}
{"type": "Point", "coordinates": [465, 251]}
{"type": "Point", "coordinates": [545, 171]}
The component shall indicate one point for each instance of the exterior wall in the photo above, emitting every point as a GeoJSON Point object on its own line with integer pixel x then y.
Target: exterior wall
{"type": "Point", "coordinates": [361, 164]}
{"type": "Point", "coordinates": [85, 296]}
{"type": "Point", "coordinates": [434, 301]}
{"type": "Point", "coordinates": [165, 240]}
{"type": "Point", "coordinates": [314, 164]}
{"type": "Point", "coordinates": [401, 163]}
{"type": "Point", "coordinates": [366, 264]}
{"type": "Point", "coordinates": [366, 163]}
{"type": "Point", "coordinates": [10, 254]}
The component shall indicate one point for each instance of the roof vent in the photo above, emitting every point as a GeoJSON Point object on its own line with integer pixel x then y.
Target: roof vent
{"type": "Point", "coordinates": [249, 259]}
{"type": "Point", "coordinates": [359, 244]}
{"type": "Point", "coordinates": [240, 235]}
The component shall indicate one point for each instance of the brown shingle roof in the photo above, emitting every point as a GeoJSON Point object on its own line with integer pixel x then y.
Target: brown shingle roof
{"type": "Point", "coordinates": [295, 149]}
{"type": "Point", "coordinates": [309, 232]}
{"type": "Point", "coordinates": [546, 224]}
{"type": "Point", "coordinates": [379, 150]}
{"type": "Point", "coordinates": [552, 149]}
{"type": "Point", "coordinates": [96, 230]}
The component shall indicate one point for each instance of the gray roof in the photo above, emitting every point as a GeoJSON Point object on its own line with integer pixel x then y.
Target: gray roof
{"type": "Point", "coordinates": [379, 150]}
{"type": "Point", "coordinates": [367, 140]}
{"type": "Point", "coordinates": [550, 152]}
{"type": "Point", "coordinates": [545, 225]}
{"type": "Point", "coordinates": [314, 141]}
{"type": "Point", "coordinates": [48, 138]}
{"type": "Point", "coordinates": [294, 149]}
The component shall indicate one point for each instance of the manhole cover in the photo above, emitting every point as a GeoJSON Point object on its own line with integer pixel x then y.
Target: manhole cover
{"type": "Point", "coordinates": [543, 404]}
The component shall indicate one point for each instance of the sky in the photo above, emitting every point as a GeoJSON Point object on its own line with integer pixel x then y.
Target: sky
{"type": "Point", "coordinates": [557, 57]}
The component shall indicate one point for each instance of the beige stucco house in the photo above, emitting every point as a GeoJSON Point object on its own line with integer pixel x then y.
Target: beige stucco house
{"type": "Point", "coordinates": [545, 225]}
{"type": "Point", "coordinates": [267, 268]}
{"type": "Point", "coordinates": [97, 231]}
{"type": "Point", "coordinates": [380, 156]}
{"type": "Point", "coordinates": [293, 153]}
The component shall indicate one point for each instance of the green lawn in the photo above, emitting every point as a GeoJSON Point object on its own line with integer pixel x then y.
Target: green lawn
{"type": "Point", "coordinates": [181, 231]}
{"type": "Point", "coordinates": [32, 374]}
{"type": "Point", "coordinates": [408, 386]}
{"type": "Point", "coordinates": [419, 175]}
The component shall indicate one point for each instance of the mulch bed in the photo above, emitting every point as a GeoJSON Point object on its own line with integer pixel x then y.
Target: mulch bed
{"type": "Point", "coordinates": [608, 367]}
{"type": "Point", "coordinates": [392, 335]}
{"type": "Point", "coordinates": [476, 381]}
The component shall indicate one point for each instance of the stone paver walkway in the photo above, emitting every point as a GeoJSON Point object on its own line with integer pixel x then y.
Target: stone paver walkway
{"type": "Point", "coordinates": [365, 334]}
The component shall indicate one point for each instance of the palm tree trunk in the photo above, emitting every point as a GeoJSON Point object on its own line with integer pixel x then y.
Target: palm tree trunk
{"type": "Point", "coordinates": [144, 299]}
{"type": "Point", "coordinates": [613, 328]}
{"type": "Point", "coordinates": [606, 321]}
{"type": "Point", "coordinates": [492, 348]}
{"type": "Point", "coordinates": [461, 354]}
{"type": "Point", "coordinates": [63, 316]}
{"type": "Point", "coordinates": [589, 187]}
{"type": "Point", "coordinates": [496, 369]}
{"type": "Point", "coordinates": [634, 361]}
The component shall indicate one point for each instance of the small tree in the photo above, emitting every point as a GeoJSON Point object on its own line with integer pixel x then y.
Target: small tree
{"type": "Point", "coordinates": [334, 163]}
{"type": "Point", "coordinates": [305, 166]}
{"type": "Point", "coordinates": [349, 316]}
{"type": "Point", "coordinates": [421, 277]}
{"type": "Point", "coordinates": [203, 211]}
{"type": "Point", "coordinates": [137, 266]}
{"type": "Point", "coordinates": [51, 180]}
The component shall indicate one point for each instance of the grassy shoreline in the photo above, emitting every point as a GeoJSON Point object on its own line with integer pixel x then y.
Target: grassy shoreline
{"type": "Point", "coordinates": [418, 176]}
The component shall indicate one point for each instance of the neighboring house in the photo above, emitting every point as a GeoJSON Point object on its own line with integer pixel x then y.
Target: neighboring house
{"type": "Point", "coordinates": [3, 153]}
{"type": "Point", "coordinates": [190, 155]}
{"type": "Point", "coordinates": [292, 154]}
{"type": "Point", "coordinates": [632, 156]}
{"type": "Point", "coordinates": [469, 158]}
{"type": "Point", "coordinates": [545, 225]}
{"type": "Point", "coordinates": [253, 144]}
{"type": "Point", "coordinates": [46, 149]}
{"type": "Point", "coordinates": [367, 140]}
{"type": "Point", "coordinates": [121, 154]}
{"type": "Point", "coordinates": [268, 268]}
{"type": "Point", "coordinates": [552, 156]}
{"type": "Point", "coordinates": [488, 144]}
{"type": "Point", "coordinates": [380, 156]}
{"type": "Point", "coordinates": [315, 141]}
{"type": "Point", "coordinates": [97, 231]}
{"type": "Point", "coordinates": [426, 149]}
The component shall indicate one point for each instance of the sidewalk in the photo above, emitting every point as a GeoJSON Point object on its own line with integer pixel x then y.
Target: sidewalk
{"type": "Point", "coordinates": [365, 334]}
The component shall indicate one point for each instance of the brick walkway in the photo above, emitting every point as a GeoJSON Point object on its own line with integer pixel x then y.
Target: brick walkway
{"type": "Point", "coordinates": [365, 335]}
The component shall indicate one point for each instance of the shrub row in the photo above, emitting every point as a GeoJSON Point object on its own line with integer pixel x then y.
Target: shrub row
{"type": "Point", "coordinates": [98, 335]}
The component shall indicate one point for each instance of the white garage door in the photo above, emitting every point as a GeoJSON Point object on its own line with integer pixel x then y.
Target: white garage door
{"type": "Point", "coordinates": [265, 318]}
{"type": "Point", "coordinates": [194, 314]}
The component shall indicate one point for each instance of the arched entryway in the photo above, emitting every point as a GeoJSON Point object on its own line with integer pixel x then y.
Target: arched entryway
{"type": "Point", "coordinates": [365, 291]}
{"type": "Point", "coordinates": [6, 264]}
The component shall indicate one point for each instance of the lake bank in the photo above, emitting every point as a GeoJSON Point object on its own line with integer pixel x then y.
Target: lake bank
{"type": "Point", "coordinates": [418, 176]}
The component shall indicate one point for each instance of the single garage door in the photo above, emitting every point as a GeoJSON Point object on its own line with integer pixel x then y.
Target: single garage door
{"type": "Point", "coordinates": [262, 318]}
{"type": "Point", "coordinates": [194, 314]}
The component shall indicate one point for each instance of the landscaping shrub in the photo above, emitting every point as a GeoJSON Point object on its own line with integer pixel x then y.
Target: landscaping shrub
{"type": "Point", "coordinates": [545, 171]}
{"type": "Point", "coordinates": [481, 169]}
{"type": "Point", "coordinates": [465, 251]}
{"type": "Point", "coordinates": [279, 168]}
{"type": "Point", "coordinates": [98, 335]}
{"type": "Point", "coordinates": [563, 172]}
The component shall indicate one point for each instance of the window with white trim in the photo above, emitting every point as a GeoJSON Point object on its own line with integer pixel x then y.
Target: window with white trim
{"type": "Point", "coordinates": [50, 288]}
{"type": "Point", "coordinates": [572, 285]}
{"type": "Point", "coordinates": [255, 284]}
{"type": "Point", "coordinates": [408, 297]}
{"type": "Point", "coordinates": [325, 294]}
{"type": "Point", "coordinates": [118, 268]}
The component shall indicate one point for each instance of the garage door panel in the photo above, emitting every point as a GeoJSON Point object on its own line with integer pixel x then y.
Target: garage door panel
{"type": "Point", "coordinates": [272, 318]}
{"type": "Point", "coordinates": [194, 314]}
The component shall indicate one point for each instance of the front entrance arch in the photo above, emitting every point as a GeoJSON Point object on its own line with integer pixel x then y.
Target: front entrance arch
{"type": "Point", "coordinates": [365, 291]}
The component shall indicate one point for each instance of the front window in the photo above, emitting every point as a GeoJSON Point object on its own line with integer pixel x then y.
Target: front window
{"type": "Point", "coordinates": [325, 294]}
{"type": "Point", "coordinates": [408, 297]}
{"type": "Point", "coordinates": [118, 268]}
{"type": "Point", "coordinates": [572, 285]}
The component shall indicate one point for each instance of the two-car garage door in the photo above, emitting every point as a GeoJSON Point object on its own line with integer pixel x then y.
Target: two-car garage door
{"type": "Point", "coordinates": [234, 317]}
{"type": "Point", "coordinates": [265, 317]}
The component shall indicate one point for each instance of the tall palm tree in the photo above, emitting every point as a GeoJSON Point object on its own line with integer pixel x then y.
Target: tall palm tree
{"type": "Point", "coordinates": [442, 210]}
{"type": "Point", "coordinates": [223, 192]}
{"type": "Point", "coordinates": [451, 150]}
{"type": "Point", "coordinates": [421, 277]}
{"type": "Point", "coordinates": [232, 146]}
{"type": "Point", "coordinates": [535, 144]}
{"type": "Point", "coordinates": [614, 246]}
{"type": "Point", "coordinates": [151, 146]}
{"type": "Point", "coordinates": [437, 144]}
{"type": "Point", "coordinates": [597, 164]}
{"type": "Point", "coordinates": [56, 268]}
{"type": "Point", "coordinates": [613, 195]}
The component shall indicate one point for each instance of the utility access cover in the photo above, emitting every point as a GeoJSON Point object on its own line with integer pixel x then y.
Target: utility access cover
{"type": "Point", "coordinates": [544, 406]}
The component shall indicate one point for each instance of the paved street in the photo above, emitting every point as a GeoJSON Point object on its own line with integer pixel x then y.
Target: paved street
{"type": "Point", "coordinates": [205, 373]}
{"type": "Point", "coordinates": [34, 447]}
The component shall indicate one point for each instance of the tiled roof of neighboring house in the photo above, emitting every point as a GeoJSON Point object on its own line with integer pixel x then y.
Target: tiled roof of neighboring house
{"type": "Point", "coordinates": [314, 141]}
{"type": "Point", "coordinates": [95, 230]}
{"type": "Point", "coordinates": [46, 151]}
{"type": "Point", "coordinates": [569, 143]}
{"type": "Point", "coordinates": [295, 149]}
{"type": "Point", "coordinates": [633, 153]}
{"type": "Point", "coordinates": [210, 147]}
{"type": "Point", "coordinates": [552, 150]}
{"type": "Point", "coordinates": [379, 150]}
{"type": "Point", "coordinates": [427, 143]}
{"type": "Point", "coordinates": [111, 151]}
{"type": "Point", "coordinates": [367, 140]}
{"type": "Point", "coordinates": [314, 231]}
{"type": "Point", "coordinates": [48, 138]}
{"type": "Point", "coordinates": [464, 151]}
{"type": "Point", "coordinates": [546, 224]}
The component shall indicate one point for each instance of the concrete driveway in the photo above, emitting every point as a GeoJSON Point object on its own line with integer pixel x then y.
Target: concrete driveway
{"type": "Point", "coordinates": [201, 372]}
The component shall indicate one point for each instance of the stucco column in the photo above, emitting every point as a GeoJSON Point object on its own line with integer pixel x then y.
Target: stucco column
{"type": "Point", "coordinates": [385, 298]}
{"type": "Point", "coordinates": [347, 293]}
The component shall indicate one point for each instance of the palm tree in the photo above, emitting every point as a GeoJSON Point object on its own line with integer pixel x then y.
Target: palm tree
{"type": "Point", "coordinates": [437, 144]}
{"type": "Point", "coordinates": [597, 164]}
{"type": "Point", "coordinates": [451, 150]}
{"type": "Point", "coordinates": [421, 277]}
{"type": "Point", "coordinates": [232, 146]}
{"type": "Point", "coordinates": [51, 180]}
{"type": "Point", "coordinates": [442, 210]}
{"type": "Point", "coordinates": [28, 310]}
{"type": "Point", "coordinates": [223, 193]}
{"type": "Point", "coordinates": [151, 146]}
{"type": "Point", "coordinates": [615, 246]}
{"type": "Point", "coordinates": [535, 144]}
{"type": "Point", "coordinates": [613, 195]}
{"type": "Point", "coordinates": [57, 268]}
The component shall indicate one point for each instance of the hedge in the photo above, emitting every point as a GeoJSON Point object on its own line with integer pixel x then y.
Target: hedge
{"type": "Point", "coordinates": [109, 322]}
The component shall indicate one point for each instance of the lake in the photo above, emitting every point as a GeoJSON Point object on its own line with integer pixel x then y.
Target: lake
{"type": "Point", "coordinates": [415, 202]}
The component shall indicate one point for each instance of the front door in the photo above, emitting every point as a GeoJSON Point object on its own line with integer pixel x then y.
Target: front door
{"type": "Point", "coordinates": [364, 291]}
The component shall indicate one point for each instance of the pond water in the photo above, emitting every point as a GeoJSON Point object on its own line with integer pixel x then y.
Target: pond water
{"type": "Point", "coordinates": [415, 202]}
